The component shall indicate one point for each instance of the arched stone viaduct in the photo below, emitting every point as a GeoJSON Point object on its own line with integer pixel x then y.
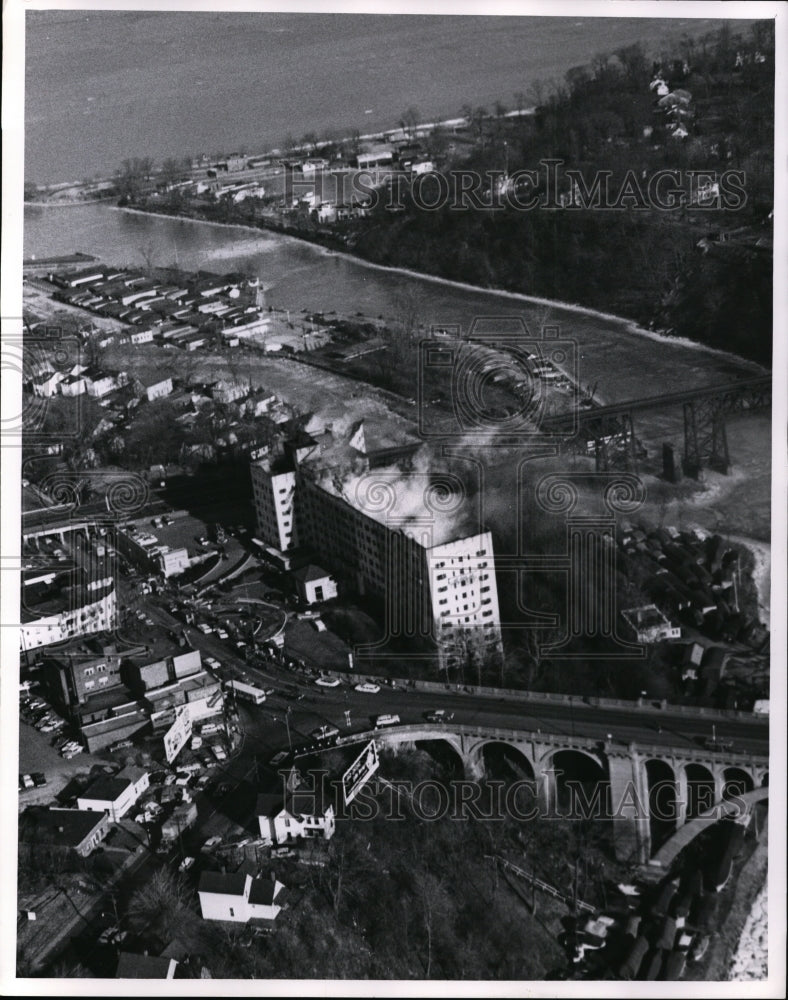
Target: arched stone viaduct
{"type": "Point", "coordinates": [637, 783]}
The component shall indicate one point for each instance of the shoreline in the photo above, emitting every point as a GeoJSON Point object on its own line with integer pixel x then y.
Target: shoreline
{"type": "Point", "coordinates": [628, 326]}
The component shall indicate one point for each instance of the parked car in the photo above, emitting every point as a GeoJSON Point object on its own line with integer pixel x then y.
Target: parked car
{"type": "Point", "coordinates": [186, 864]}
{"type": "Point", "coordinates": [120, 745]}
{"type": "Point", "coordinates": [26, 781]}
{"type": "Point", "coordinates": [367, 688]}
{"type": "Point", "coordinates": [39, 778]}
{"type": "Point", "coordinates": [211, 843]}
{"type": "Point", "coordinates": [219, 752]}
{"type": "Point", "coordinates": [387, 720]}
{"type": "Point", "coordinates": [222, 633]}
{"type": "Point", "coordinates": [328, 682]}
{"type": "Point", "coordinates": [320, 625]}
{"type": "Point", "coordinates": [205, 628]}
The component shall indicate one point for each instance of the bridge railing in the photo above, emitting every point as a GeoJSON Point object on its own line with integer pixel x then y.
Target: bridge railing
{"type": "Point", "coordinates": [652, 706]}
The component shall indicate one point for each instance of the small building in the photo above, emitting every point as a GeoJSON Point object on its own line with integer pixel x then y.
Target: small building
{"type": "Point", "coordinates": [131, 966]}
{"type": "Point", "coordinates": [238, 897]}
{"type": "Point", "coordinates": [46, 384]}
{"type": "Point", "coordinates": [113, 795]}
{"type": "Point", "coordinates": [72, 385]}
{"type": "Point", "coordinates": [314, 584]}
{"type": "Point", "coordinates": [156, 388]}
{"type": "Point", "coordinates": [299, 814]}
{"type": "Point", "coordinates": [650, 625]}
{"type": "Point", "coordinates": [72, 829]}
{"type": "Point", "coordinates": [99, 384]}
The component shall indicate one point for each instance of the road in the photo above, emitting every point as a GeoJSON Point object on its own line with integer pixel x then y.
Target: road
{"type": "Point", "coordinates": [629, 723]}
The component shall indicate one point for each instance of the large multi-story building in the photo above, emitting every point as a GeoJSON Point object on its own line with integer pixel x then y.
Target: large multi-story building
{"type": "Point", "coordinates": [437, 588]}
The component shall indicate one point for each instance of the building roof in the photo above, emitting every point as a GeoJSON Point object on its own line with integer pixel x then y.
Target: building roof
{"type": "Point", "coordinates": [263, 891]}
{"type": "Point", "coordinates": [307, 574]}
{"type": "Point", "coordinates": [224, 884]}
{"type": "Point", "coordinates": [106, 789]}
{"type": "Point", "coordinates": [132, 773]}
{"type": "Point", "coordinates": [131, 966]}
{"type": "Point", "coordinates": [68, 827]}
{"type": "Point", "coordinates": [270, 803]}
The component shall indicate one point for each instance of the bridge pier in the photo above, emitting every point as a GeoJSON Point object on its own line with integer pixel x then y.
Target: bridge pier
{"type": "Point", "coordinates": [629, 803]}
{"type": "Point", "coordinates": [682, 795]}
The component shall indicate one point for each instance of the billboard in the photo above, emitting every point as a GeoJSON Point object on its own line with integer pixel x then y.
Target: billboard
{"type": "Point", "coordinates": [178, 733]}
{"type": "Point", "coordinates": [360, 771]}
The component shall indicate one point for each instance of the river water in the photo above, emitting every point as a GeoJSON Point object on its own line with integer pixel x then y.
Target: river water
{"type": "Point", "coordinates": [610, 352]}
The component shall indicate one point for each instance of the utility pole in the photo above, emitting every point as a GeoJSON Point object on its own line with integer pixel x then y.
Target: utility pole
{"type": "Point", "coordinates": [287, 723]}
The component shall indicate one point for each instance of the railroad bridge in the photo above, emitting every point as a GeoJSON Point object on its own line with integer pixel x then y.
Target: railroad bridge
{"type": "Point", "coordinates": [634, 784]}
{"type": "Point", "coordinates": [610, 430]}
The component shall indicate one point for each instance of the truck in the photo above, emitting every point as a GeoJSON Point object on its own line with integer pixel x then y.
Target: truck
{"type": "Point", "coordinates": [247, 692]}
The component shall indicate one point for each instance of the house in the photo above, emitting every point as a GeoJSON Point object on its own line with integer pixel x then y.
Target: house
{"type": "Point", "coordinates": [99, 383]}
{"type": "Point", "coordinates": [72, 385]}
{"type": "Point", "coordinates": [259, 402]}
{"type": "Point", "coordinates": [314, 584]}
{"type": "Point", "coordinates": [300, 813]}
{"type": "Point", "coordinates": [72, 829]}
{"type": "Point", "coordinates": [131, 966]}
{"type": "Point", "coordinates": [238, 897]}
{"type": "Point", "coordinates": [650, 625]}
{"type": "Point", "coordinates": [46, 384]}
{"type": "Point", "coordinates": [156, 388]}
{"type": "Point", "coordinates": [113, 795]}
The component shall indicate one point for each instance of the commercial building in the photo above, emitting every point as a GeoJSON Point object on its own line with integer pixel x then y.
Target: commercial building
{"type": "Point", "coordinates": [113, 795]}
{"type": "Point", "coordinates": [70, 829]}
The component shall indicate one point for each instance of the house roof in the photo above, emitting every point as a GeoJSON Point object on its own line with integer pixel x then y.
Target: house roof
{"type": "Point", "coordinates": [263, 891]}
{"type": "Point", "coordinates": [131, 966]}
{"type": "Point", "coordinates": [106, 789]}
{"type": "Point", "coordinates": [224, 884]}
{"type": "Point", "coordinates": [270, 803]}
{"type": "Point", "coordinates": [309, 573]}
{"type": "Point", "coordinates": [132, 773]}
{"type": "Point", "coordinates": [68, 827]}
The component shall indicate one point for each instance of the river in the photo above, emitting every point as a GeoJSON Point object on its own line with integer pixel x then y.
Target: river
{"type": "Point", "coordinates": [609, 352]}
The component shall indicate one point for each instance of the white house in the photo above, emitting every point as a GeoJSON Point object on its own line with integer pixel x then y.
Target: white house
{"type": "Point", "coordinates": [157, 388]}
{"type": "Point", "coordinates": [138, 776]}
{"type": "Point", "coordinates": [300, 814]}
{"type": "Point", "coordinates": [113, 795]}
{"type": "Point", "coordinates": [314, 584]}
{"type": "Point", "coordinates": [72, 385]}
{"type": "Point", "coordinates": [238, 897]}
{"type": "Point", "coordinates": [141, 336]}
{"type": "Point", "coordinates": [99, 384]}
{"type": "Point", "coordinates": [46, 384]}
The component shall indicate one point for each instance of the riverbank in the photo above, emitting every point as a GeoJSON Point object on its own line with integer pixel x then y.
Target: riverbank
{"type": "Point", "coordinates": [333, 248]}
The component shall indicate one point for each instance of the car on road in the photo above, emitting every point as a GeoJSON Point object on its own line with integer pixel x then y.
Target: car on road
{"type": "Point", "coordinates": [212, 662]}
{"type": "Point", "coordinates": [186, 864]}
{"type": "Point", "coordinates": [387, 720]}
{"type": "Point", "coordinates": [367, 688]}
{"type": "Point", "coordinates": [278, 758]}
{"type": "Point", "coordinates": [439, 715]}
{"type": "Point", "coordinates": [328, 682]}
{"type": "Point", "coordinates": [324, 732]}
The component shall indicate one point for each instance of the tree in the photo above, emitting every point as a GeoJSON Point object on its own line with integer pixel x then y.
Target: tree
{"type": "Point", "coordinates": [410, 119]}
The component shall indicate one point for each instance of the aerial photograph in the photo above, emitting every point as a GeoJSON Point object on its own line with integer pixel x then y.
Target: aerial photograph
{"type": "Point", "coordinates": [393, 477]}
